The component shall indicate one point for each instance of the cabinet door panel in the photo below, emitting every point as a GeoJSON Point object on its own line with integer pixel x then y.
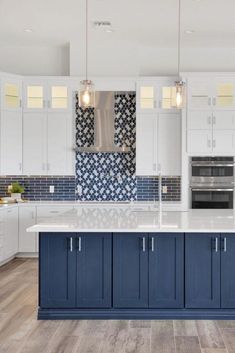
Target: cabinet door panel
{"type": "Point", "coordinates": [202, 270]}
{"type": "Point", "coordinates": [11, 232]}
{"type": "Point", "coordinates": [94, 270]}
{"type": "Point", "coordinates": [223, 142]}
{"type": "Point", "coordinates": [223, 120]}
{"type": "Point", "coordinates": [147, 95]}
{"type": "Point", "coordinates": [146, 147]}
{"type": "Point", "coordinates": [169, 144]}
{"type": "Point", "coordinates": [197, 120]}
{"type": "Point", "coordinates": [57, 271]}
{"type": "Point", "coordinates": [27, 218]}
{"type": "Point", "coordinates": [130, 266]}
{"type": "Point", "coordinates": [166, 271]}
{"type": "Point", "coordinates": [224, 94]}
{"type": "Point", "coordinates": [199, 142]}
{"type": "Point", "coordinates": [34, 143]}
{"type": "Point", "coordinates": [227, 273]}
{"type": "Point", "coordinates": [199, 94]}
{"type": "Point", "coordinates": [11, 94]}
{"type": "Point", "coordinates": [59, 128]}
{"type": "Point", "coordinates": [11, 142]}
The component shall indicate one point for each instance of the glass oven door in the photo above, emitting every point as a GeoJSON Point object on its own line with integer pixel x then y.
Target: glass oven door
{"type": "Point", "coordinates": [212, 198]}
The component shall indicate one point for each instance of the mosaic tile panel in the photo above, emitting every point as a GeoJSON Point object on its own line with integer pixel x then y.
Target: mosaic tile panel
{"type": "Point", "coordinates": [107, 176]}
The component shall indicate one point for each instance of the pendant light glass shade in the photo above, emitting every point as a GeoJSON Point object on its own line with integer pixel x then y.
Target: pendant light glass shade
{"type": "Point", "coordinates": [179, 100]}
{"type": "Point", "coordinates": [87, 94]}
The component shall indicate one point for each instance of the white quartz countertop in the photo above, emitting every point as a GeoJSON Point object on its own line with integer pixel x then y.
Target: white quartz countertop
{"type": "Point", "coordinates": [137, 218]}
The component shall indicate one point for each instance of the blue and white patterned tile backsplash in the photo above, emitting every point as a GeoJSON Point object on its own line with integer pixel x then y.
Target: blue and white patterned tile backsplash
{"type": "Point", "coordinates": [107, 176]}
{"type": "Point", "coordinates": [111, 176]}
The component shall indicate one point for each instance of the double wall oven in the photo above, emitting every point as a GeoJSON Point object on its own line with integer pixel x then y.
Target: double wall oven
{"type": "Point", "coordinates": [212, 182]}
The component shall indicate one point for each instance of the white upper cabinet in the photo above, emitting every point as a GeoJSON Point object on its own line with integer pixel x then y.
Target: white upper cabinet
{"type": "Point", "coordinates": [11, 97]}
{"type": "Point", "coordinates": [223, 94]}
{"type": "Point", "coordinates": [211, 93]}
{"type": "Point", "coordinates": [35, 144]}
{"type": "Point", "coordinates": [47, 95]}
{"type": "Point", "coordinates": [155, 95]}
{"type": "Point", "coordinates": [35, 95]}
{"type": "Point", "coordinates": [59, 144]}
{"type": "Point", "coordinates": [147, 96]}
{"type": "Point", "coordinates": [199, 94]}
{"type": "Point", "coordinates": [169, 143]}
{"type": "Point", "coordinates": [146, 145]}
{"type": "Point", "coordinates": [11, 142]}
{"type": "Point", "coordinates": [211, 115]}
{"type": "Point", "coordinates": [48, 127]}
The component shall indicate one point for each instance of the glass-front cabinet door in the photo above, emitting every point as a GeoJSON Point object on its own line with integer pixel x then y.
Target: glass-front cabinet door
{"type": "Point", "coordinates": [59, 97]}
{"type": "Point", "coordinates": [35, 95]}
{"type": "Point", "coordinates": [224, 94]}
{"type": "Point", "coordinates": [200, 94]}
{"type": "Point", "coordinates": [11, 94]}
{"type": "Point", "coordinates": [147, 97]}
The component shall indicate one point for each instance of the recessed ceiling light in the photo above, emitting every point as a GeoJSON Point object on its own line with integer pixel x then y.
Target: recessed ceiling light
{"type": "Point", "coordinates": [28, 30]}
{"type": "Point", "coordinates": [189, 31]}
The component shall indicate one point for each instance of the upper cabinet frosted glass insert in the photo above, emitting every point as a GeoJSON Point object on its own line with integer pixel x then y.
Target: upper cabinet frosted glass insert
{"type": "Point", "coordinates": [199, 94]}
{"type": "Point", "coordinates": [35, 97]}
{"type": "Point", "coordinates": [59, 97]}
{"type": "Point", "coordinates": [224, 95]}
{"type": "Point", "coordinates": [12, 95]}
{"type": "Point", "coordinates": [147, 97]}
{"type": "Point", "coordinates": [168, 97]}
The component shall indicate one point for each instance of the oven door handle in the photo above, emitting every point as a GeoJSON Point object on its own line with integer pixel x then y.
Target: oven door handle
{"type": "Point", "coordinates": [212, 165]}
{"type": "Point", "coordinates": [211, 189]}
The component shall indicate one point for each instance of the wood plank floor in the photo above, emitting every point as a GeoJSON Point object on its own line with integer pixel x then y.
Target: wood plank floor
{"type": "Point", "coordinates": [20, 332]}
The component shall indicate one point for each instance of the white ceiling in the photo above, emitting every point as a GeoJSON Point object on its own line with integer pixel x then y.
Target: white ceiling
{"type": "Point", "coordinates": [144, 22]}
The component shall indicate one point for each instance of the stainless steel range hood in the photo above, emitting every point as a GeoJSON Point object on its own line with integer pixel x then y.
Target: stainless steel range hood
{"type": "Point", "coordinates": [104, 125]}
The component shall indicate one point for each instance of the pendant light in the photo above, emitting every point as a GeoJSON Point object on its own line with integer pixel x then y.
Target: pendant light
{"type": "Point", "coordinates": [86, 92]}
{"type": "Point", "coordinates": [179, 85]}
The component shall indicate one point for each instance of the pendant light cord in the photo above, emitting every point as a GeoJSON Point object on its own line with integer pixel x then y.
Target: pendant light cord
{"type": "Point", "coordinates": [179, 35]}
{"type": "Point", "coordinates": [86, 39]}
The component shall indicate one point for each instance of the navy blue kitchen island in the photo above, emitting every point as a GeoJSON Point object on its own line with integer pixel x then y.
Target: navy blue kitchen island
{"type": "Point", "coordinates": [135, 275]}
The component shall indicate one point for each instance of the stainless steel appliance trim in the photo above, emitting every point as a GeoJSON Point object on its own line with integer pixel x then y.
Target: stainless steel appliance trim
{"type": "Point", "coordinates": [211, 189]}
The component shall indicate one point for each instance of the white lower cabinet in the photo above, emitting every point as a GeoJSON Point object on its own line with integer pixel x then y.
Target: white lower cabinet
{"type": "Point", "coordinates": [9, 230]}
{"type": "Point", "coordinates": [27, 241]}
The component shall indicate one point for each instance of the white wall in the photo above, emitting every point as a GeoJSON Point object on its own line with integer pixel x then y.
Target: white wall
{"type": "Point", "coordinates": [125, 59]}
{"type": "Point", "coordinates": [35, 60]}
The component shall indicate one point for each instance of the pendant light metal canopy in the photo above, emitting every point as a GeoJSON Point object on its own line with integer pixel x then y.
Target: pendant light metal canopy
{"type": "Point", "coordinates": [87, 92]}
{"type": "Point", "coordinates": [179, 88]}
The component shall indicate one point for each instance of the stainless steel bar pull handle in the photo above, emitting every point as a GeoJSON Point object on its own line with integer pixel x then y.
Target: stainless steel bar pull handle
{"type": "Point", "coordinates": [216, 244]}
{"type": "Point", "coordinates": [143, 243]}
{"type": "Point", "coordinates": [225, 245]}
{"type": "Point", "coordinates": [79, 244]}
{"type": "Point", "coordinates": [71, 244]}
{"type": "Point", "coordinates": [152, 244]}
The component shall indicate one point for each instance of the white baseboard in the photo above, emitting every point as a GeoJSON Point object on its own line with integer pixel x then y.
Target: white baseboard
{"type": "Point", "coordinates": [27, 254]}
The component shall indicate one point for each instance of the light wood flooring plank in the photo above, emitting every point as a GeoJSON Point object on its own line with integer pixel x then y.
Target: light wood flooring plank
{"type": "Point", "coordinates": [185, 328]}
{"type": "Point", "coordinates": [187, 344]}
{"type": "Point", "coordinates": [209, 334]}
{"type": "Point", "coordinates": [162, 337]}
